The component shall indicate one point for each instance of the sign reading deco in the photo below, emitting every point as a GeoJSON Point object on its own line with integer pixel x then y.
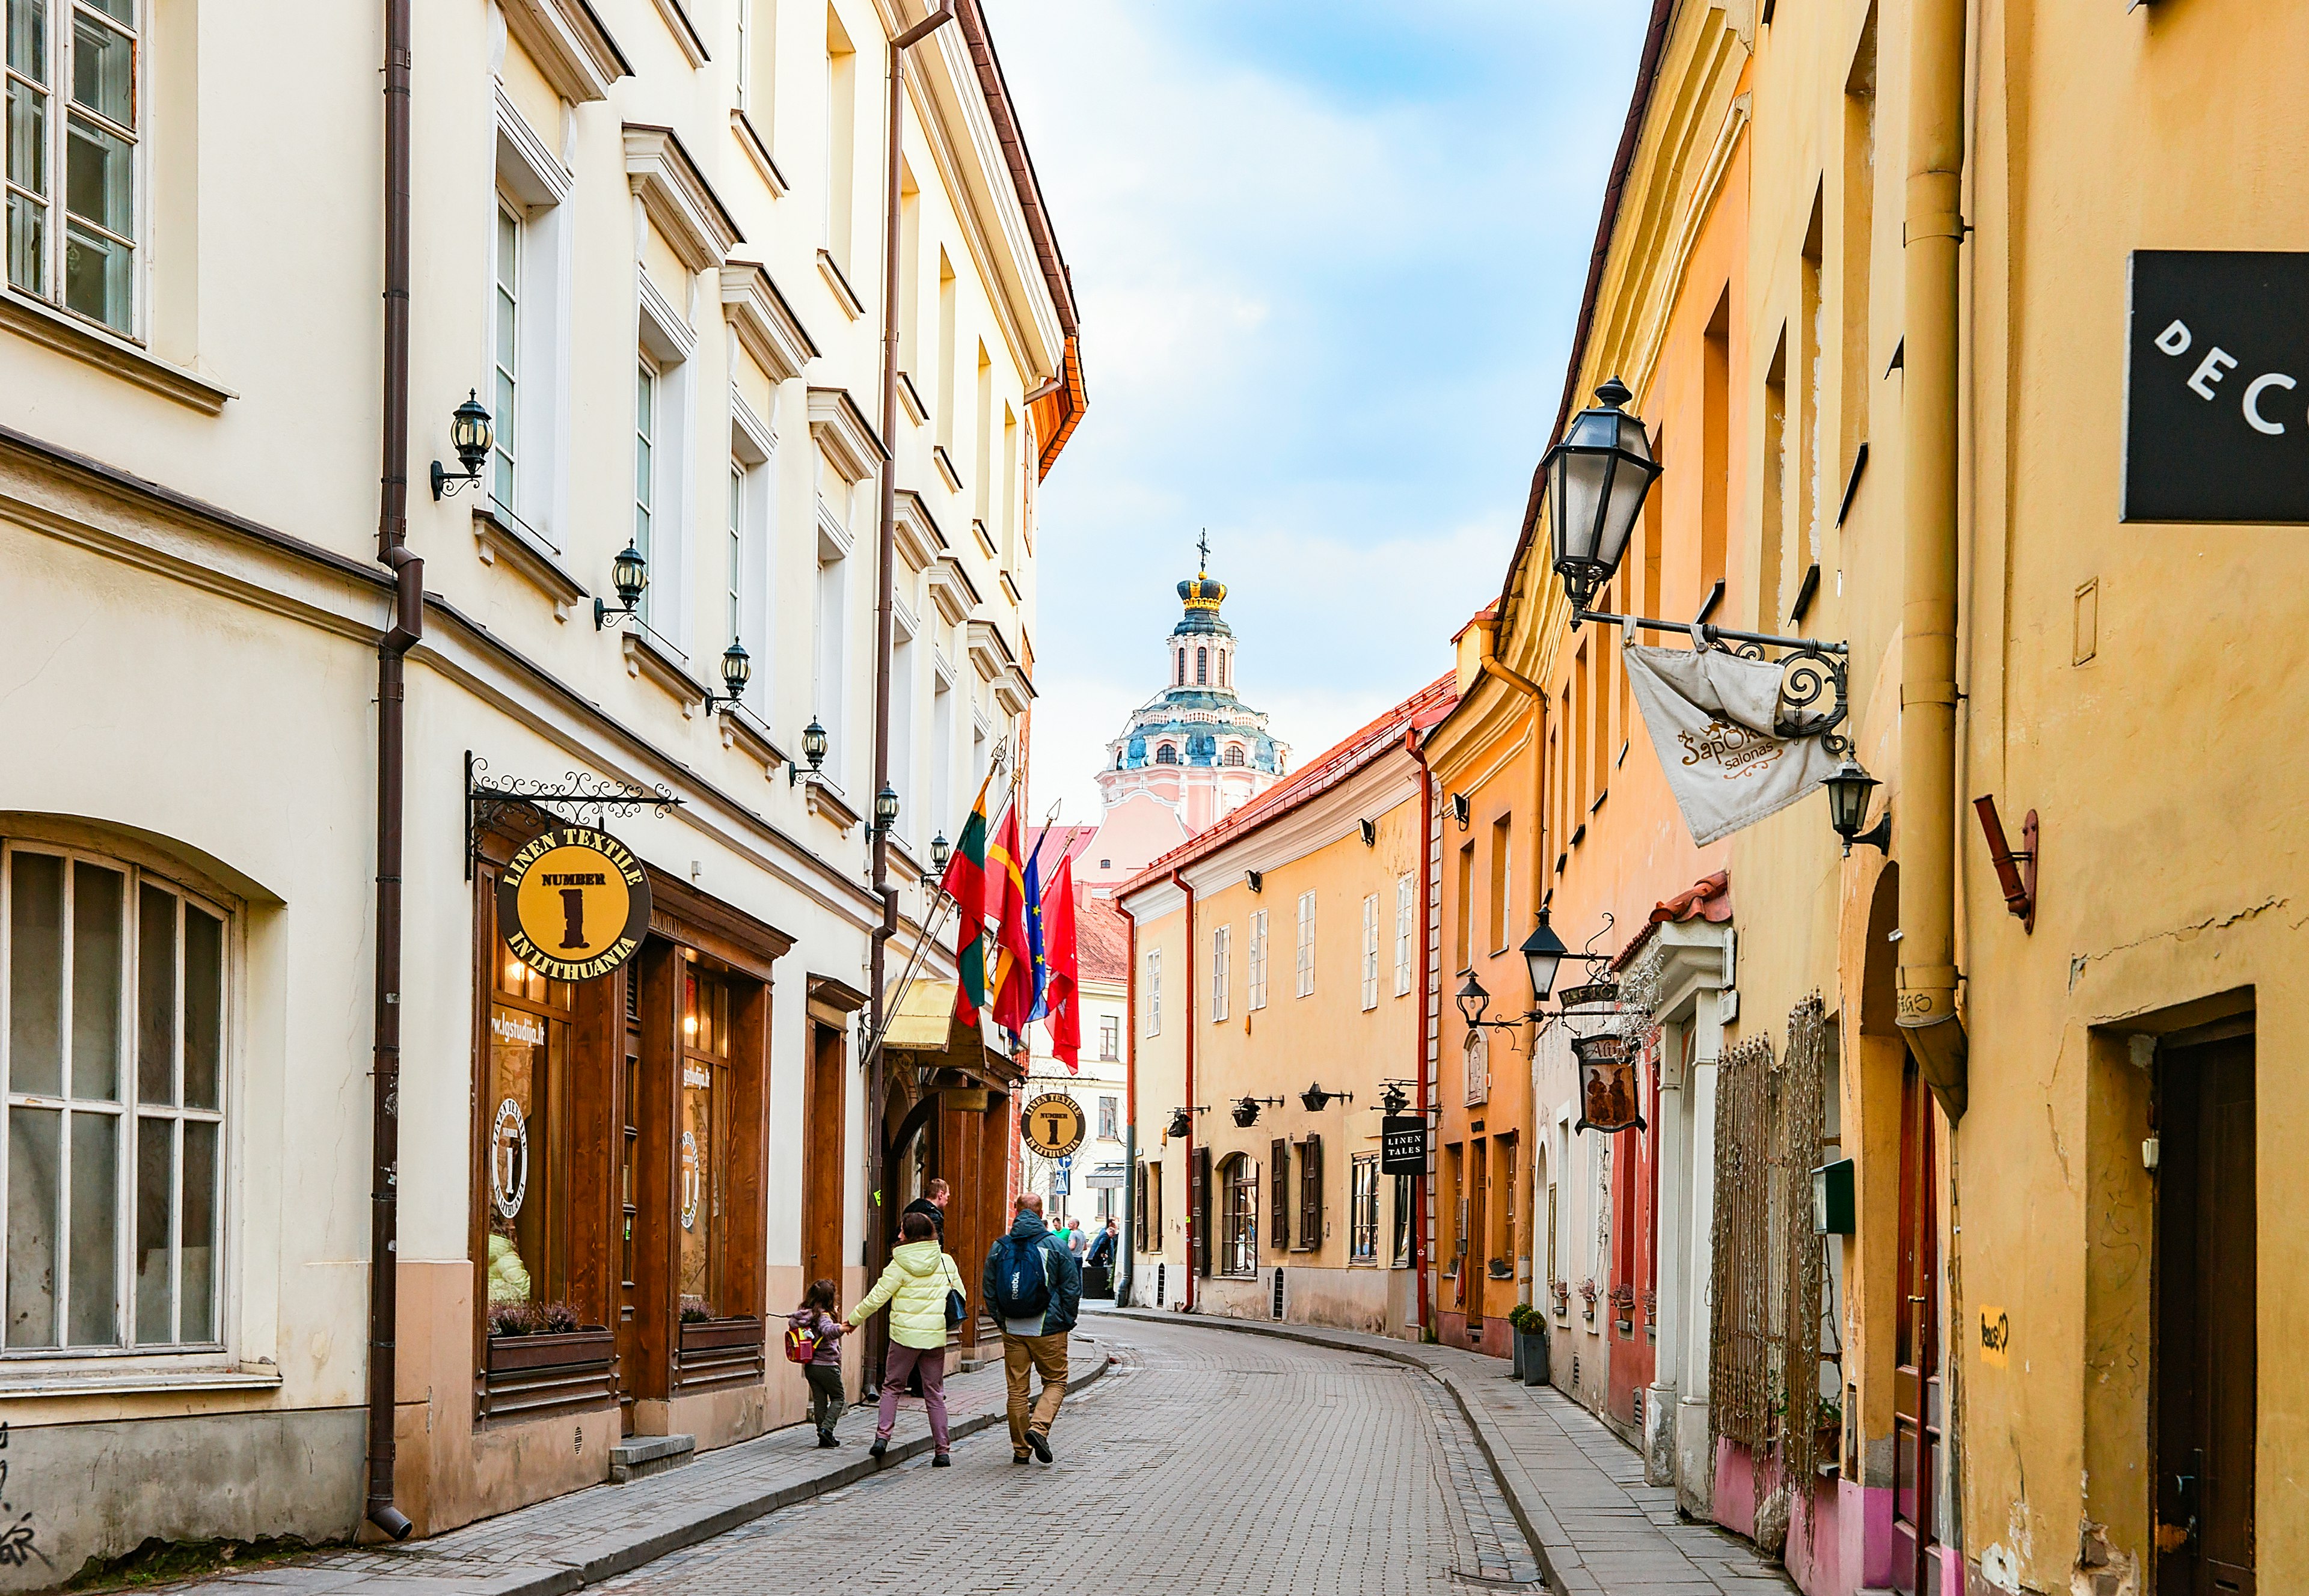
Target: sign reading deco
{"type": "Point", "coordinates": [574, 904]}
{"type": "Point", "coordinates": [1052, 1124]}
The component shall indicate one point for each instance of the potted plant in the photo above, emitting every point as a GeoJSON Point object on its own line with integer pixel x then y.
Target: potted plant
{"type": "Point", "coordinates": [1562, 1291]}
{"type": "Point", "coordinates": [1516, 1317]}
{"type": "Point", "coordinates": [1588, 1300]}
{"type": "Point", "coordinates": [1530, 1326]}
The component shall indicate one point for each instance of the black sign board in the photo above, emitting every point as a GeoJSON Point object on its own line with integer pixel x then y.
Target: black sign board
{"type": "Point", "coordinates": [1403, 1144]}
{"type": "Point", "coordinates": [2217, 387]}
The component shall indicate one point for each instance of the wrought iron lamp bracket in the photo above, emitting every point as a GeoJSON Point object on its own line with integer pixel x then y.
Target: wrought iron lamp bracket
{"type": "Point", "coordinates": [1813, 668]}
{"type": "Point", "coordinates": [568, 799]}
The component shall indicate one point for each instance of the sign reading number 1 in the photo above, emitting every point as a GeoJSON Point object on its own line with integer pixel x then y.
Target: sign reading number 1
{"type": "Point", "coordinates": [1052, 1124]}
{"type": "Point", "coordinates": [574, 904]}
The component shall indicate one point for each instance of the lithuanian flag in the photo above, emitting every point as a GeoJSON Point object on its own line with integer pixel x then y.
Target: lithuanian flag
{"type": "Point", "coordinates": [966, 883]}
{"type": "Point", "coordinates": [1011, 989]}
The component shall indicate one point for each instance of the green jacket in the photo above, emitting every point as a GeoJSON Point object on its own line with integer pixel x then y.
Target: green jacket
{"type": "Point", "coordinates": [914, 1285]}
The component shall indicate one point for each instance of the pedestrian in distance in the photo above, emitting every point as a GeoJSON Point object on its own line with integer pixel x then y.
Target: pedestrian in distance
{"type": "Point", "coordinates": [814, 1340]}
{"type": "Point", "coordinates": [1035, 1289]}
{"type": "Point", "coordinates": [1102, 1250]}
{"type": "Point", "coordinates": [931, 1204]}
{"type": "Point", "coordinates": [917, 1285]}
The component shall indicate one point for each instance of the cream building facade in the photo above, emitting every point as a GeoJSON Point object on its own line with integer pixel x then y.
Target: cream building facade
{"type": "Point", "coordinates": [646, 235]}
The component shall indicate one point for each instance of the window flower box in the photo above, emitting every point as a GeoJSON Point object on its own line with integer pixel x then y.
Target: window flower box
{"type": "Point", "coordinates": [719, 1352]}
{"type": "Point", "coordinates": [530, 1375]}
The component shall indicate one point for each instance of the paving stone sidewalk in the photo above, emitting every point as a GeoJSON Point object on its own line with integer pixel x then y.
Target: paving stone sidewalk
{"type": "Point", "coordinates": [595, 1534]}
{"type": "Point", "coordinates": [1575, 1488]}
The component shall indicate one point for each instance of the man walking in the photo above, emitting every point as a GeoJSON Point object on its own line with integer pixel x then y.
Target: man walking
{"type": "Point", "coordinates": [932, 1205]}
{"type": "Point", "coordinates": [1035, 1289]}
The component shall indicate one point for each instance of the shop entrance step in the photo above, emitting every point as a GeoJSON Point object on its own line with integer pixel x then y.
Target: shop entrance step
{"type": "Point", "coordinates": [636, 1455]}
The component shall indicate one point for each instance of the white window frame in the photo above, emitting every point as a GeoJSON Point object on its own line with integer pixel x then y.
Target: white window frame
{"type": "Point", "coordinates": [1257, 996]}
{"type": "Point", "coordinates": [667, 343]}
{"type": "Point", "coordinates": [1404, 898]}
{"type": "Point", "coordinates": [61, 109]}
{"type": "Point", "coordinates": [1307, 944]}
{"type": "Point", "coordinates": [1221, 936]}
{"type": "Point", "coordinates": [531, 188]}
{"type": "Point", "coordinates": [752, 455]}
{"type": "Point", "coordinates": [1153, 991]}
{"type": "Point", "coordinates": [1370, 952]}
{"type": "Point", "coordinates": [1362, 1209]}
{"type": "Point", "coordinates": [134, 1117]}
{"type": "Point", "coordinates": [1109, 1036]}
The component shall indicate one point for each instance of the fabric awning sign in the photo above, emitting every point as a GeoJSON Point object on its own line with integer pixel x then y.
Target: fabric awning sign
{"type": "Point", "coordinates": [1711, 714]}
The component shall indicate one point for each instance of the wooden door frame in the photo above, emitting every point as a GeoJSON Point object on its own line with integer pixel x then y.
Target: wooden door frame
{"type": "Point", "coordinates": [1918, 1229]}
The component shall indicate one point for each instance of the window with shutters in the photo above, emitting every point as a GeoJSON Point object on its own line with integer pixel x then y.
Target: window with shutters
{"type": "Point", "coordinates": [1257, 996]}
{"type": "Point", "coordinates": [1363, 1210]}
{"type": "Point", "coordinates": [1370, 952]}
{"type": "Point", "coordinates": [1239, 1241]}
{"type": "Point", "coordinates": [1405, 887]}
{"type": "Point", "coordinates": [1153, 1208]}
{"type": "Point", "coordinates": [1153, 991]}
{"type": "Point", "coordinates": [1311, 1194]}
{"type": "Point", "coordinates": [1222, 940]}
{"type": "Point", "coordinates": [1278, 1180]}
{"type": "Point", "coordinates": [1306, 945]}
{"type": "Point", "coordinates": [1199, 1212]}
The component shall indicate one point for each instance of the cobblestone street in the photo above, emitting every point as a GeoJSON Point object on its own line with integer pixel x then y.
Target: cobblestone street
{"type": "Point", "coordinates": [1206, 1462]}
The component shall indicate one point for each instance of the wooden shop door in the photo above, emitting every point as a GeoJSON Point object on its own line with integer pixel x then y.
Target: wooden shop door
{"type": "Point", "coordinates": [1916, 1397]}
{"type": "Point", "coordinates": [2207, 1302]}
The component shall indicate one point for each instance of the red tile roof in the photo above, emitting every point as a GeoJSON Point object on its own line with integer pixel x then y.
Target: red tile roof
{"type": "Point", "coordinates": [1707, 899]}
{"type": "Point", "coordinates": [1351, 754]}
{"type": "Point", "coordinates": [1101, 937]}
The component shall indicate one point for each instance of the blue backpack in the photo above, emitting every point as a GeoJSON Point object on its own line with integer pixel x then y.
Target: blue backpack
{"type": "Point", "coordinates": [1022, 1280]}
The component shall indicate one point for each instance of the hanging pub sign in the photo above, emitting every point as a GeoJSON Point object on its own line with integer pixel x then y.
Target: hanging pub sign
{"type": "Point", "coordinates": [1052, 1124]}
{"type": "Point", "coordinates": [1403, 1144]}
{"type": "Point", "coordinates": [574, 904]}
{"type": "Point", "coordinates": [1608, 1099]}
{"type": "Point", "coordinates": [2217, 387]}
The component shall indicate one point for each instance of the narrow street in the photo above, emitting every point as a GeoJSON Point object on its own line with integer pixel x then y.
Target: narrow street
{"type": "Point", "coordinates": [1207, 1461]}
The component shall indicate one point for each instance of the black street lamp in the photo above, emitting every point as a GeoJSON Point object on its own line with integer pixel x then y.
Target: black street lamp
{"type": "Point", "coordinates": [1246, 1109]}
{"type": "Point", "coordinates": [1597, 480]}
{"type": "Point", "coordinates": [1315, 1100]}
{"type": "Point", "coordinates": [737, 670]}
{"type": "Point", "coordinates": [470, 436]}
{"type": "Point", "coordinates": [886, 808]}
{"type": "Point", "coordinates": [813, 749]}
{"type": "Point", "coordinates": [1849, 787]}
{"type": "Point", "coordinates": [1543, 951]}
{"type": "Point", "coordinates": [629, 574]}
{"type": "Point", "coordinates": [941, 851]}
{"type": "Point", "coordinates": [1473, 1001]}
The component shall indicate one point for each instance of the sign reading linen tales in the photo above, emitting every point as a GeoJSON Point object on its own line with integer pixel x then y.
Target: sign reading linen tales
{"type": "Point", "coordinates": [2217, 387]}
{"type": "Point", "coordinates": [574, 904]}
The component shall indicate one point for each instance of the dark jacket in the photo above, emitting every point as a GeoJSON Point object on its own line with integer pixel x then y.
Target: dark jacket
{"type": "Point", "coordinates": [1102, 1250]}
{"type": "Point", "coordinates": [1065, 1277]}
{"type": "Point", "coordinates": [937, 1215]}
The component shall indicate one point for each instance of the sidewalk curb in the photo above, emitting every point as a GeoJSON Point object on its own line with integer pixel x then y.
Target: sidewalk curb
{"type": "Point", "coordinates": [631, 1555]}
{"type": "Point", "coordinates": [1546, 1548]}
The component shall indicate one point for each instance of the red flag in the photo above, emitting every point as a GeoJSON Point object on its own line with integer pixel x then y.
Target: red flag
{"type": "Point", "coordinates": [1010, 978]}
{"type": "Point", "coordinates": [1058, 955]}
{"type": "Point", "coordinates": [966, 883]}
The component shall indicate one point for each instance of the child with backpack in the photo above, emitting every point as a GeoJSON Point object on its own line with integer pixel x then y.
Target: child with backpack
{"type": "Point", "coordinates": [814, 1340]}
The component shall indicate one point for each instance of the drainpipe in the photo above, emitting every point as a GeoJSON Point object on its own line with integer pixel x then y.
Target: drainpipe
{"type": "Point", "coordinates": [1927, 1013]}
{"type": "Point", "coordinates": [1411, 746]}
{"type": "Point", "coordinates": [1196, 1224]}
{"type": "Point", "coordinates": [1127, 1253]}
{"type": "Point", "coordinates": [878, 1089]}
{"type": "Point", "coordinates": [408, 626]}
{"type": "Point", "coordinates": [1524, 685]}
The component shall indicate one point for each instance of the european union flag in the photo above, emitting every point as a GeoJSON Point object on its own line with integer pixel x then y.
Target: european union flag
{"type": "Point", "coordinates": [1042, 963]}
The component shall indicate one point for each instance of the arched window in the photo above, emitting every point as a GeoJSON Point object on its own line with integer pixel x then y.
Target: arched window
{"type": "Point", "coordinates": [1118, 759]}
{"type": "Point", "coordinates": [1167, 754]}
{"type": "Point", "coordinates": [116, 1061]}
{"type": "Point", "coordinates": [1223, 662]}
{"type": "Point", "coordinates": [1202, 668]}
{"type": "Point", "coordinates": [1239, 1236]}
{"type": "Point", "coordinates": [1233, 753]}
{"type": "Point", "coordinates": [1181, 680]}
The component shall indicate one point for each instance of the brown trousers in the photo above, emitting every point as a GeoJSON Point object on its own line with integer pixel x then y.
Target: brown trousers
{"type": "Point", "coordinates": [1045, 1354]}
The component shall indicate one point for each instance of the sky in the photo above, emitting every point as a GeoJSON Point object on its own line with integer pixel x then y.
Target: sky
{"type": "Point", "coordinates": [1327, 259]}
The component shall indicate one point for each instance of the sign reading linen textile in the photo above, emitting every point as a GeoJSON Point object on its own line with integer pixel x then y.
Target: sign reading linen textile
{"type": "Point", "coordinates": [1711, 715]}
{"type": "Point", "coordinates": [574, 904]}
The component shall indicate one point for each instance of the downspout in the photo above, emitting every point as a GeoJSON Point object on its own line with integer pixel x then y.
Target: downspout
{"type": "Point", "coordinates": [1532, 690]}
{"type": "Point", "coordinates": [1128, 1249]}
{"type": "Point", "coordinates": [408, 626]}
{"type": "Point", "coordinates": [1927, 1013]}
{"type": "Point", "coordinates": [878, 1089]}
{"type": "Point", "coordinates": [1196, 1223]}
{"type": "Point", "coordinates": [1411, 746]}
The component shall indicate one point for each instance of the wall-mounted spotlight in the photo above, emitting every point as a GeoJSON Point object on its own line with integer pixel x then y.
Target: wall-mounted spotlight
{"type": "Point", "coordinates": [471, 435]}
{"type": "Point", "coordinates": [1370, 833]}
{"type": "Point", "coordinates": [1255, 879]}
{"type": "Point", "coordinates": [1461, 809]}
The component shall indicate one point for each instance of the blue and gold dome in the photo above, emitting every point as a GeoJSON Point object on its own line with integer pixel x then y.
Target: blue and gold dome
{"type": "Point", "coordinates": [1202, 594]}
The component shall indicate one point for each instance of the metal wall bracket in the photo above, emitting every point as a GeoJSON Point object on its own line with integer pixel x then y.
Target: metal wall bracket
{"type": "Point", "coordinates": [568, 799]}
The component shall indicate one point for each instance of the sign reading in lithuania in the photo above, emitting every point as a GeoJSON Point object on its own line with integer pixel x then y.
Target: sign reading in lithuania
{"type": "Point", "coordinates": [2217, 387]}
{"type": "Point", "coordinates": [574, 904]}
{"type": "Point", "coordinates": [1052, 1124]}
{"type": "Point", "coordinates": [1403, 1144]}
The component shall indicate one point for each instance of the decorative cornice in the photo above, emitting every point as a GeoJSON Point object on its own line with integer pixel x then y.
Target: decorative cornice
{"type": "Point", "coordinates": [952, 591]}
{"type": "Point", "coordinates": [828, 805]}
{"type": "Point", "coordinates": [569, 45]}
{"type": "Point", "coordinates": [843, 431]}
{"type": "Point", "coordinates": [757, 151]}
{"type": "Point", "coordinates": [989, 655]}
{"type": "Point", "coordinates": [920, 540]}
{"type": "Point", "coordinates": [685, 32]}
{"type": "Point", "coordinates": [499, 535]}
{"type": "Point", "coordinates": [767, 328]}
{"type": "Point", "coordinates": [681, 203]}
{"type": "Point", "coordinates": [644, 658]}
{"type": "Point", "coordinates": [68, 336]}
{"type": "Point", "coordinates": [844, 294]}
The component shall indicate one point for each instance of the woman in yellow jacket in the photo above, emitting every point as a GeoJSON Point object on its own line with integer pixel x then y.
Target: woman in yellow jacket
{"type": "Point", "coordinates": [915, 1286]}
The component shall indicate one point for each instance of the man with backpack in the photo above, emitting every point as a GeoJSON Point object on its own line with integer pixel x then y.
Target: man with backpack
{"type": "Point", "coordinates": [1035, 1289]}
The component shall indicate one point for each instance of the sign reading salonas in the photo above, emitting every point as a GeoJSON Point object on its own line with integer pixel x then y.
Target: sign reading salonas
{"type": "Point", "coordinates": [2217, 387]}
{"type": "Point", "coordinates": [574, 904]}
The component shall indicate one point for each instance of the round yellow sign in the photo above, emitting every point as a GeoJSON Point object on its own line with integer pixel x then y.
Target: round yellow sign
{"type": "Point", "coordinates": [574, 904]}
{"type": "Point", "coordinates": [1053, 1124]}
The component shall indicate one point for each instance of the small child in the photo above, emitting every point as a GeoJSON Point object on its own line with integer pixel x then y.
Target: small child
{"type": "Point", "coordinates": [818, 1315]}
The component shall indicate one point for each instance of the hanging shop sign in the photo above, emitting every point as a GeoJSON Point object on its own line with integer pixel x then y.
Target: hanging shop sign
{"type": "Point", "coordinates": [1052, 1124]}
{"type": "Point", "coordinates": [1608, 1096]}
{"type": "Point", "coordinates": [1732, 747]}
{"type": "Point", "coordinates": [2217, 387]}
{"type": "Point", "coordinates": [1403, 1144]}
{"type": "Point", "coordinates": [574, 904]}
